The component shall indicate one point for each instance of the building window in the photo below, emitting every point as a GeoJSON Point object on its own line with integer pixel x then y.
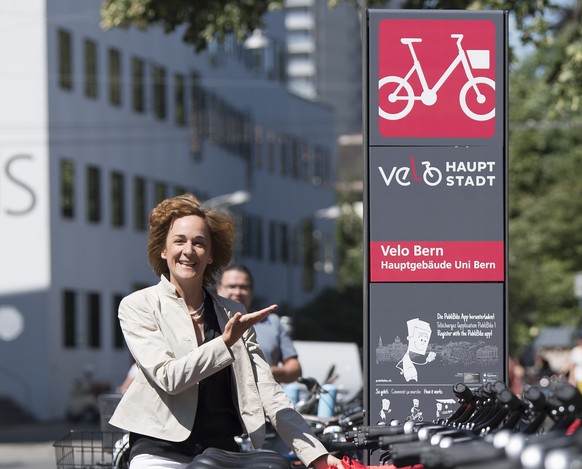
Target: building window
{"type": "Point", "coordinates": [284, 155]}
{"type": "Point", "coordinates": [93, 194]}
{"type": "Point", "coordinates": [198, 118]}
{"type": "Point", "coordinates": [67, 188]}
{"type": "Point", "coordinates": [272, 241]}
{"type": "Point", "coordinates": [295, 242]}
{"type": "Point", "coordinates": [117, 199]}
{"type": "Point", "coordinates": [114, 57]}
{"type": "Point", "coordinates": [237, 245]}
{"type": "Point", "coordinates": [294, 158]}
{"type": "Point", "coordinates": [94, 320]}
{"type": "Point", "coordinates": [138, 84]}
{"type": "Point", "coordinates": [179, 99]}
{"type": "Point", "coordinates": [159, 91]}
{"type": "Point", "coordinates": [325, 167]}
{"type": "Point", "coordinates": [252, 229]}
{"type": "Point", "coordinates": [160, 192]}
{"type": "Point", "coordinates": [317, 166]}
{"type": "Point", "coordinates": [271, 150]}
{"type": "Point", "coordinates": [91, 73]}
{"type": "Point", "coordinates": [65, 44]}
{"type": "Point", "coordinates": [258, 237]}
{"type": "Point", "coordinates": [305, 162]}
{"type": "Point", "coordinates": [139, 203]}
{"type": "Point", "coordinates": [308, 256]}
{"type": "Point", "coordinates": [284, 233]}
{"type": "Point", "coordinates": [246, 234]}
{"type": "Point", "coordinates": [259, 142]}
{"type": "Point", "coordinates": [69, 319]}
{"type": "Point", "coordinates": [118, 340]}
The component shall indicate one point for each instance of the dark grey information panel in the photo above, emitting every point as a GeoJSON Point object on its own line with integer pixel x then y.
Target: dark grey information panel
{"type": "Point", "coordinates": [437, 214]}
{"type": "Point", "coordinates": [425, 337]}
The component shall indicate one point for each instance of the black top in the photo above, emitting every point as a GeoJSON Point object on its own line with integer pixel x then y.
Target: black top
{"type": "Point", "coordinates": [217, 419]}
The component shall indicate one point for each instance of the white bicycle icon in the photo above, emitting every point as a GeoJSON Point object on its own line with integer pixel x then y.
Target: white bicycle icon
{"type": "Point", "coordinates": [478, 59]}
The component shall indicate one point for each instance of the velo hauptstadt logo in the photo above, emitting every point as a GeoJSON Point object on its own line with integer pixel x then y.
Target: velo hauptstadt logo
{"type": "Point", "coordinates": [450, 174]}
{"type": "Point", "coordinates": [436, 78]}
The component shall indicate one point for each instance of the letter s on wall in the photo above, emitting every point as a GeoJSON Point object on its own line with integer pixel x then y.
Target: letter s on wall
{"type": "Point", "coordinates": [22, 184]}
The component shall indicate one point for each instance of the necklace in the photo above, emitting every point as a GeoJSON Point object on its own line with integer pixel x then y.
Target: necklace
{"type": "Point", "coordinates": [199, 312]}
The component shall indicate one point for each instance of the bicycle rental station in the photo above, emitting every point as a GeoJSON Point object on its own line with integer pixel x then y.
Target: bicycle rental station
{"type": "Point", "coordinates": [436, 249]}
{"type": "Point", "coordinates": [435, 256]}
{"type": "Point", "coordinates": [436, 218]}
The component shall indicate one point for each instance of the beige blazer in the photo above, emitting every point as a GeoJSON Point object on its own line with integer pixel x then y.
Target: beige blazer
{"type": "Point", "coordinates": [162, 400]}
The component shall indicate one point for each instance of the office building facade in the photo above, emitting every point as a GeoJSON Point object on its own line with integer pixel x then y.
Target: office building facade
{"type": "Point", "coordinates": [97, 128]}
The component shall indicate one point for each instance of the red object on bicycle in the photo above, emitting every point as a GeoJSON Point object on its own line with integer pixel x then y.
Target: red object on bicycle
{"type": "Point", "coordinates": [354, 464]}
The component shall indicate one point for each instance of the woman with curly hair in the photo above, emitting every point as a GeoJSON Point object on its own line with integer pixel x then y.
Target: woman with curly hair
{"type": "Point", "coordinates": [201, 377]}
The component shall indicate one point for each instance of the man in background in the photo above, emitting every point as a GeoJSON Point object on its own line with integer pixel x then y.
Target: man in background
{"type": "Point", "coordinates": [236, 283]}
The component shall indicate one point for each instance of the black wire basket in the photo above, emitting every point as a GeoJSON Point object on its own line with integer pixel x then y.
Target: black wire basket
{"type": "Point", "coordinates": [90, 450]}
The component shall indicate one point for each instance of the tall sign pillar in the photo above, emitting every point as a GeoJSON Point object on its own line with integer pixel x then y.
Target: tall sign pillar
{"type": "Point", "coordinates": [435, 208]}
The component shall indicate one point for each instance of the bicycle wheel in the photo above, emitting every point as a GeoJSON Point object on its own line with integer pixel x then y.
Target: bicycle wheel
{"type": "Point", "coordinates": [121, 452]}
{"type": "Point", "coordinates": [390, 97]}
{"type": "Point", "coordinates": [484, 110]}
{"type": "Point", "coordinates": [431, 176]}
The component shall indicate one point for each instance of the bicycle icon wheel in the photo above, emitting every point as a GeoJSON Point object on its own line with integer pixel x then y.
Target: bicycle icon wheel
{"type": "Point", "coordinates": [484, 96]}
{"type": "Point", "coordinates": [396, 97]}
{"type": "Point", "coordinates": [432, 176]}
{"type": "Point", "coordinates": [387, 88]}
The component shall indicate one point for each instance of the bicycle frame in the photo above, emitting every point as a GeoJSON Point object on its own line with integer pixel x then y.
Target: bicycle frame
{"type": "Point", "coordinates": [404, 92]}
{"type": "Point", "coordinates": [417, 67]}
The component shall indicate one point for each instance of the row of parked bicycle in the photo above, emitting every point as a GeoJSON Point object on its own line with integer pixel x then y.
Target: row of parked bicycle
{"type": "Point", "coordinates": [490, 428]}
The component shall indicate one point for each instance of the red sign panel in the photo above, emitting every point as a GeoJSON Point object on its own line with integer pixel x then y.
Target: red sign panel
{"type": "Point", "coordinates": [436, 78]}
{"type": "Point", "coordinates": [437, 261]}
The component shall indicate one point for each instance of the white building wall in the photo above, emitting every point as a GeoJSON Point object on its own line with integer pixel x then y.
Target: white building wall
{"type": "Point", "coordinates": [25, 253]}
{"type": "Point", "coordinates": [70, 254]}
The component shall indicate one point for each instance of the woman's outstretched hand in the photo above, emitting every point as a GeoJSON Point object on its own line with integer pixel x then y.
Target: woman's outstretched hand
{"type": "Point", "coordinates": [327, 461]}
{"type": "Point", "coordinates": [240, 323]}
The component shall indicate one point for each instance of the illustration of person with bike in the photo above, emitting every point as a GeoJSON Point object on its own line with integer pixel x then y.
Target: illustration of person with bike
{"type": "Point", "coordinates": [415, 412]}
{"type": "Point", "coordinates": [419, 333]}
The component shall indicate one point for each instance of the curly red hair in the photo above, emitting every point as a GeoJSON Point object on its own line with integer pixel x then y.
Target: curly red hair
{"type": "Point", "coordinates": [221, 228]}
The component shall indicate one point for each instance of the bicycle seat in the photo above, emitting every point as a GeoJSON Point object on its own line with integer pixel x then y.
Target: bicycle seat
{"type": "Point", "coordinates": [410, 40]}
{"type": "Point", "coordinates": [213, 458]}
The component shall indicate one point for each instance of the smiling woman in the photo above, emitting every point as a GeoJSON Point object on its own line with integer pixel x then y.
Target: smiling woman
{"type": "Point", "coordinates": [193, 348]}
{"type": "Point", "coordinates": [220, 233]}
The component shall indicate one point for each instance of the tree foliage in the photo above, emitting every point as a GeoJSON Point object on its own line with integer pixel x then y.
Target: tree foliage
{"type": "Point", "coordinates": [545, 199]}
{"type": "Point", "coordinates": [334, 315]}
{"type": "Point", "coordinates": [202, 20]}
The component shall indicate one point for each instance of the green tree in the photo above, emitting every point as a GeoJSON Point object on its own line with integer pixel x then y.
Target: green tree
{"type": "Point", "coordinates": [545, 198]}
{"type": "Point", "coordinates": [337, 314]}
{"type": "Point", "coordinates": [202, 20]}
{"type": "Point", "coordinates": [332, 316]}
{"type": "Point", "coordinates": [350, 242]}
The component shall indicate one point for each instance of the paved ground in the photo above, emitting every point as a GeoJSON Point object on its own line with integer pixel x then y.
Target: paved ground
{"type": "Point", "coordinates": [30, 446]}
